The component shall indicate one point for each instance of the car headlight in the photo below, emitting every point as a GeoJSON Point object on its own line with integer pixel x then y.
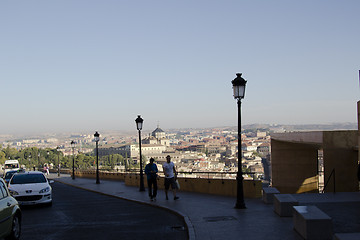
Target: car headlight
{"type": "Point", "coordinates": [47, 189]}
{"type": "Point", "coordinates": [13, 193]}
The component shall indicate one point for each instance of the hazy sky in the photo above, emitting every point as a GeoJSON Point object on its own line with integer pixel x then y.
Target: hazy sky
{"type": "Point", "coordinates": [86, 65]}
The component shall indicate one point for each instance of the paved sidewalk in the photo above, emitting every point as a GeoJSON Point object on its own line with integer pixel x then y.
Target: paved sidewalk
{"type": "Point", "coordinates": [207, 216]}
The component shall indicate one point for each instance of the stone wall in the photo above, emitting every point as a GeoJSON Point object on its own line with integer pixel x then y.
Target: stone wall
{"type": "Point", "coordinates": [294, 161]}
{"type": "Point", "coordinates": [341, 154]}
{"type": "Point", "coordinates": [224, 187]}
{"type": "Point", "coordinates": [294, 166]}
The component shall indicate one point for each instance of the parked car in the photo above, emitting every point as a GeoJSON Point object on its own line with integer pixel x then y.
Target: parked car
{"type": "Point", "coordinates": [9, 174]}
{"type": "Point", "coordinates": [30, 188]}
{"type": "Point", "coordinates": [10, 215]}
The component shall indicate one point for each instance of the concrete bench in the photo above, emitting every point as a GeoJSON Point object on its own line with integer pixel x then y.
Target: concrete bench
{"type": "Point", "coordinates": [283, 204]}
{"type": "Point", "coordinates": [347, 236]}
{"type": "Point", "coordinates": [268, 194]}
{"type": "Point", "coordinates": [312, 223]}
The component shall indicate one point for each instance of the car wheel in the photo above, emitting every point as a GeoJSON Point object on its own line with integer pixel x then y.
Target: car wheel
{"type": "Point", "coordinates": [15, 229]}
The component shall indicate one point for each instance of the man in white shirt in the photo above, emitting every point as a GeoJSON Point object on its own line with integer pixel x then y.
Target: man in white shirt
{"type": "Point", "coordinates": [170, 177]}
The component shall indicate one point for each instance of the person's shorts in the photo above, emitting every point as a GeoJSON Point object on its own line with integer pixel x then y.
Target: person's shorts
{"type": "Point", "coordinates": [170, 182]}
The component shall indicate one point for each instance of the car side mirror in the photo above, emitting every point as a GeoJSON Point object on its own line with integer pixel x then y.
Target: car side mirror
{"type": "Point", "coordinates": [51, 181]}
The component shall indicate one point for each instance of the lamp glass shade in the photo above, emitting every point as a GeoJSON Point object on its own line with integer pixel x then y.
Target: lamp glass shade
{"type": "Point", "coordinates": [72, 144]}
{"type": "Point", "coordinates": [139, 122]}
{"type": "Point", "coordinates": [239, 91]}
{"type": "Point", "coordinates": [96, 136]}
{"type": "Point", "coordinates": [239, 86]}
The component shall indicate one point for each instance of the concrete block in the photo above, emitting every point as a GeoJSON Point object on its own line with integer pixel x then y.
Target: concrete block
{"type": "Point", "coordinates": [312, 223]}
{"type": "Point", "coordinates": [347, 236]}
{"type": "Point", "coordinates": [283, 204]}
{"type": "Point", "coordinates": [268, 194]}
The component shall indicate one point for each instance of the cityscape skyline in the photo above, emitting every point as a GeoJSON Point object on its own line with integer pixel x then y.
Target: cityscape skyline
{"type": "Point", "coordinates": [118, 134]}
{"type": "Point", "coordinates": [94, 66]}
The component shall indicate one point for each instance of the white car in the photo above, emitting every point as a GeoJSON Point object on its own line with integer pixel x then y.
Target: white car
{"type": "Point", "coordinates": [10, 215]}
{"type": "Point", "coordinates": [30, 188]}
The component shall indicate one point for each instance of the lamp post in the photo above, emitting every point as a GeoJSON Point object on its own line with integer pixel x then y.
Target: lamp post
{"type": "Point", "coordinates": [30, 161]}
{"type": "Point", "coordinates": [47, 164]}
{"type": "Point", "coordinates": [39, 161]}
{"type": "Point", "coordinates": [239, 92]}
{"type": "Point", "coordinates": [139, 123]}
{"type": "Point", "coordinates": [58, 151]}
{"type": "Point", "coordinates": [73, 165]}
{"type": "Point", "coordinates": [97, 138]}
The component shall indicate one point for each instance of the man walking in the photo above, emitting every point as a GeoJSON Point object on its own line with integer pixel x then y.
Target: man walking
{"type": "Point", "coordinates": [151, 173]}
{"type": "Point", "coordinates": [170, 177]}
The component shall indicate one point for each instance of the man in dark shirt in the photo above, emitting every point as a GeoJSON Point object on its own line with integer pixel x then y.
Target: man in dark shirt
{"type": "Point", "coordinates": [151, 173]}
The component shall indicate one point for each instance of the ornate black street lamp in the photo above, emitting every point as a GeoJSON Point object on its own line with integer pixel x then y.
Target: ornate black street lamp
{"type": "Point", "coordinates": [139, 123]}
{"type": "Point", "coordinates": [239, 92]}
{"type": "Point", "coordinates": [58, 152]}
{"type": "Point", "coordinates": [73, 165]}
{"type": "Point", "coordinates": [97, 139]}
{"type": "Point", "coordinates": [39, 161]}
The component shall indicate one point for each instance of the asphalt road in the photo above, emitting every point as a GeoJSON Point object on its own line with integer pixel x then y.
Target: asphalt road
{"type": "Point", "coordinates": [79, 214]}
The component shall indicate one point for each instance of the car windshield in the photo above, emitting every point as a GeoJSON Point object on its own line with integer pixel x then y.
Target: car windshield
{"type": "Point", "coordinates": [28, 178]}
{"type": "Point", "coordinates": [10, 166]}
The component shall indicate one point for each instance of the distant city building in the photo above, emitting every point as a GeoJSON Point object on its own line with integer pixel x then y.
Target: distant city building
{"type": "Point", "coordinates": [249, 147]}
{"type": "Point", "coordinates": [158, 136]}
{"type": "Point", "coordinates": [30, 141]}
{"type": "Point", "coordinates": [131, 150]}
{"type": "Point", "coordinates": [264, 149]}
{"type": "Point", "coordinates": [260, 134]}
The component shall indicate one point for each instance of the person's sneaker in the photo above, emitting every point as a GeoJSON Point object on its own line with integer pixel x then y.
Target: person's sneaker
{"type": "Point", "coordinates": [154, 199]}
{"type": "Point", "coordinates": [175, 198]}
{"type": "Point", "coordinates": [167, 198]}
{"type": "Point", "coordinates": [151, 199]}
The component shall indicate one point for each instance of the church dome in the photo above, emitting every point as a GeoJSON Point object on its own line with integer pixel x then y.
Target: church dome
{"type": "Point", "coordinates": [158, 133]}
{"type": "Point", "coordinates": [157, 130]}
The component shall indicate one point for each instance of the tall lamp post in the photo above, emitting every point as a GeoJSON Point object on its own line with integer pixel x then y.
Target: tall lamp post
{"type": "Point", "coordinates": [139, 123]}
{"type": "Point", "coordinates": [97, 138]}
{"type": "Point", "coordinates": [239, 92]}
{"type": "Point", "coordinates": [39, 162]}
{"type": "Point", "coordinates": [47, 164]}
{"type": "Point", "coordinates": [58, 151]}
{"type": "Point", "coordinates": [73, 165]}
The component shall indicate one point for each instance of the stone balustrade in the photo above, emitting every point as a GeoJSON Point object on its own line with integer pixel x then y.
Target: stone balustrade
{"type": "Point", "coordinates": [224, 187]}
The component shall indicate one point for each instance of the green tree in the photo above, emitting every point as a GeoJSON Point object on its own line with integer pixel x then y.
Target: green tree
{"type": "Point", "coordinates": [10, 153]}
{"type": "Point", "coordinates": [255, 153]}
{"type": "Point", "coordinates": [119, 159]}
{"type": "Point", "coordinates": [2, 157]}
{"type": "Point", "coordinates": [84, 161]}
{"type": "Point", "coordinates": [66, 162]}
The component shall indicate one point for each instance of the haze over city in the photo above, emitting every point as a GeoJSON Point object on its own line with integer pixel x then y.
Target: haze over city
{"type": "Point", "coordinates": [95, 65]}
